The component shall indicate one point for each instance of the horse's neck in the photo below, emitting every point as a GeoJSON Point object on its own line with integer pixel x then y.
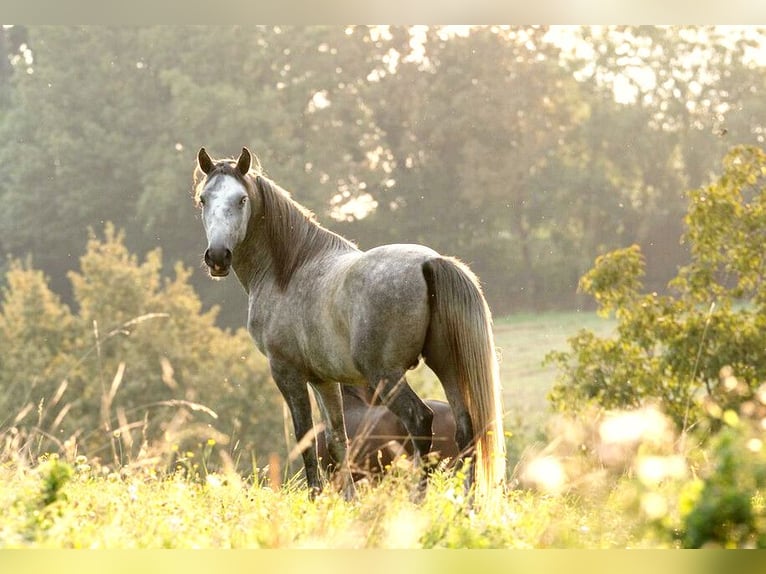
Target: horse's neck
{"type": "Point", "coordinates": [282, 239]}
{"type": "Point", "coordinates": [253, 264]}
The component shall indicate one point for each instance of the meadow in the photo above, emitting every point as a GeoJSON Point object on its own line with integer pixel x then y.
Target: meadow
{"type": "Point", "coordinates": [71, 502]}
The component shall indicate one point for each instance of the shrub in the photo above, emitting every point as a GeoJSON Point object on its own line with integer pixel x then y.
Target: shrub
{"type": "Point", "coordinates": [700, 353]}
{"type": "Point", "coordinates": [138, 370]}
{"type": "Point", "coordinates": [672, 347]}
{"type": "Point", "coordinates": [39, 342]}
{"type": "Point", "coordinates": [721, 503]}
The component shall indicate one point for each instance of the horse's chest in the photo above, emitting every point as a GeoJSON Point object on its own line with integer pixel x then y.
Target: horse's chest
{"type": "Point", "coordinates": [305, 336]}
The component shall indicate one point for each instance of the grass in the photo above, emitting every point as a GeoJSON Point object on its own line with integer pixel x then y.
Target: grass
{"type": "Point", "coordinates": [147, 510]}
{"type": "Point", "coordinates": [73, 502]}
{"type": "Point", "coordinates": [524, 341]}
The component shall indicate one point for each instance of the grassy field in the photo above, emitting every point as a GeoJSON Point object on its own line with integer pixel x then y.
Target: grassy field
{"type": "Point", "coordinates": [524, 341]}
{"type": "Point", "coordinates": [77, 503]}
{"type": "Point", "coordinates": [146, 510]}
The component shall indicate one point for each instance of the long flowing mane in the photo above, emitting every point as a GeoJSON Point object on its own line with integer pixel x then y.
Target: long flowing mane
{"type": "Point", "coordinates": [292, 232]}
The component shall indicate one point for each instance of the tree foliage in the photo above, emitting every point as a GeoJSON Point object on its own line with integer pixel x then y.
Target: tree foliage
{"type": "Point", "coordinates": [139, 365]}
{"type": "Point", "coordinates": [677, 347]}
{"type": "Point", "coordinates": [501, 145]}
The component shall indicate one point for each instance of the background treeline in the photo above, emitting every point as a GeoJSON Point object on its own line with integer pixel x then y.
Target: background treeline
{"type": "Point", "coordinates": [527, 152]}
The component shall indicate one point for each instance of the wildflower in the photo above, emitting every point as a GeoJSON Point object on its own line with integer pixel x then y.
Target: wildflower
{"type": "Point", "coordinates": [754, 445]}
{"type": "Point", "coordinates": [654, 469]}
{"type": "Point", "coordinates": [454, 497]}
{"type": "Point", "coordinates": [633, 426]}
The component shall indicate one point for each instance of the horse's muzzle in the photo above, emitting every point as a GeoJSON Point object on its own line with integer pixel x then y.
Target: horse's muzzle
{"type": "Point", "coordinates": [218, 261]}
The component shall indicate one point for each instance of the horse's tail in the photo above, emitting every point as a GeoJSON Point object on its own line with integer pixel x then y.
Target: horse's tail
{"type": "Point", "coordinates": [460, 312]}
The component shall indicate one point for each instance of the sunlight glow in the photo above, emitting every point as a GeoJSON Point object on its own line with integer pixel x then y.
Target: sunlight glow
{"type": "Point", "coordinates": [352, 208]}
{"type": "Point", "coordinates": [646, 424]}
{"type": "Point", "coordinates": [546, 473]}
{"type": "Point", "coordinates": [652, 470]}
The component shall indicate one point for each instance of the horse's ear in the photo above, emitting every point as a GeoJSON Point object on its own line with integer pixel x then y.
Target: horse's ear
{"type": "Point", "coordinates": [204, 161]}
{"type": "Point", "coordinates": [245, 161]}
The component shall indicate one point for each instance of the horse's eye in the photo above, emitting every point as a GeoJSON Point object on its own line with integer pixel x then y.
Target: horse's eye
{"type": "Point", "coordinates": [201, 201]}
{"type": "Point", "coordinates": [243, 200]}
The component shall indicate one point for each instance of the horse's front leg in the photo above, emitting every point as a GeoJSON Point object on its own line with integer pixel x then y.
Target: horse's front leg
{"type": "Point", "coordinates": [331, 402]}
{"type": "Point", "coordinates": [292, 383]}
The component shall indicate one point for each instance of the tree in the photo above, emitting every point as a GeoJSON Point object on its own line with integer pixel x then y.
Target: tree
{"type": "Point", "coordinates": [682, 93]}
{"type": "Point", "coordinates": [473, 127]}
{"type": "Point", "coordinates": [497, 145]}
{"type": "Point", "coordinates": [140, 359]}
{"type": "Point", "coordinates": [37, 332]}
{"type": "Point", "coordinates": [676, 349]}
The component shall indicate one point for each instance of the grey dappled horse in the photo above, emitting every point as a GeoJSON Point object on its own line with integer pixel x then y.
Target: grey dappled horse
{"type": "Point", "coordinates": [323, 313]}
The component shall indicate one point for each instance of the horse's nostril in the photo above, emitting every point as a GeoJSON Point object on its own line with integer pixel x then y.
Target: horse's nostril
{"type": "Point", "coordinates": [219, 257]}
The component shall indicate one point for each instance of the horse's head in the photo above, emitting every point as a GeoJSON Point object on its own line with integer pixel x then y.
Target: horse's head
{"type": "Point", "coordinates": [225, 197]}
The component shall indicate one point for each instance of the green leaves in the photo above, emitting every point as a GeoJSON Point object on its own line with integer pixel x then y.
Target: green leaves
{"type": "Point", "coordinates": [139, 365]}
{"type": "Point", "coordinates": [615, 280]}
{"type": "Point", "coordinates": [672, 348]}
{"type": "Point", "coordinates": [726, 225]}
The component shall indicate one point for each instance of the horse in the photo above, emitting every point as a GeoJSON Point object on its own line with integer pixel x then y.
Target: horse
{"type": "Point", "coordinates": [326, 314]}
{"type": "Point", "coordinates": [377, 437]}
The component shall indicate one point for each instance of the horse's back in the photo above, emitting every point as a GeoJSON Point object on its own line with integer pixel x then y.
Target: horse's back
{"type": "Point", "coordinates": [394, 272]}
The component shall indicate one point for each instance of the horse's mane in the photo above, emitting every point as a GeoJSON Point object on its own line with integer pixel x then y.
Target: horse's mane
{"type": "Point", "coordinates": [292, 232]}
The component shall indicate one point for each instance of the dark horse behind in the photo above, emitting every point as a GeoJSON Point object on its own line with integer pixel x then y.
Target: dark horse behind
{"type": "Point", "coordinates": [325, 313]}
{"type": "Point", "coordinates": [377, 437]}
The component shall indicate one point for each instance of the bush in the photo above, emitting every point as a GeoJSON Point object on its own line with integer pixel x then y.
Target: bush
{"type": "Point", "coordinates": [721, 503]}
{"type": "Point", "coordinates": [698, 352]}
{"type": "Point", "coordinates": [672, 347]}
{"type": "Point", "coordinates": [138, 370]}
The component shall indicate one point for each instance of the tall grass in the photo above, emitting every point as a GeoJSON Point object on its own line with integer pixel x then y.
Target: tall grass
{"type": "Point", "coordinates": [603, 481]}
{"type": "Point", "coordinates": [148, 509]}
{"type": "Point", "coordinates": [65, 500]}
